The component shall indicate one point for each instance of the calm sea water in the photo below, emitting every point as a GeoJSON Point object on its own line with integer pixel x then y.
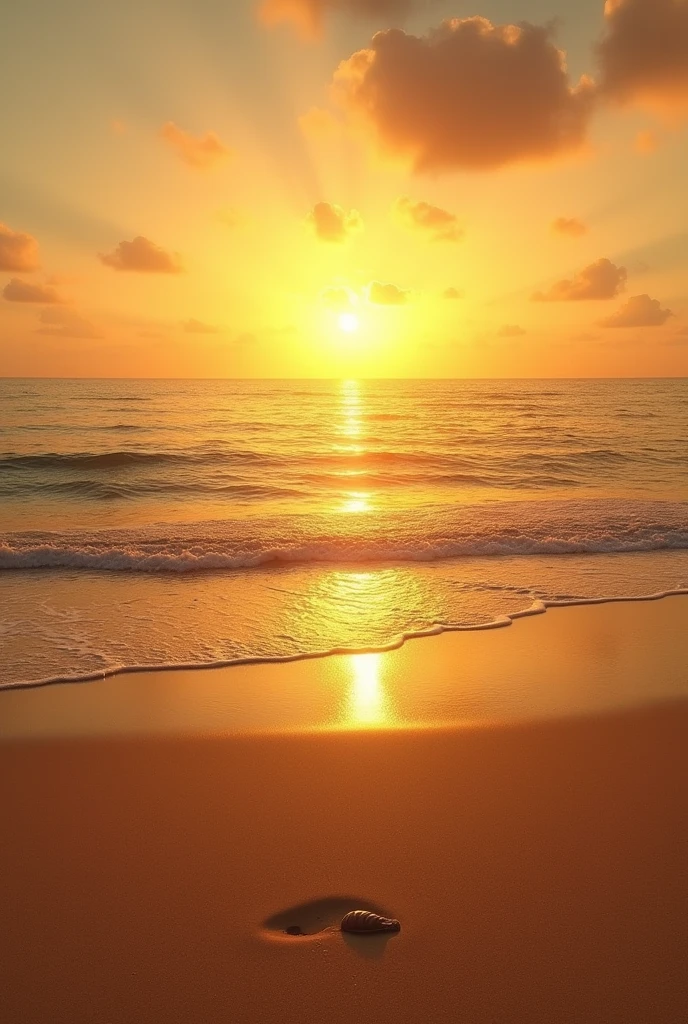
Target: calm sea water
{"type": "Point", "coordinates": [156, 522]}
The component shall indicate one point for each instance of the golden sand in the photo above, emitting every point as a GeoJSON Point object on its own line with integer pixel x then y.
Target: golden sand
{"type": "Point", "coordinates": [537, 868]}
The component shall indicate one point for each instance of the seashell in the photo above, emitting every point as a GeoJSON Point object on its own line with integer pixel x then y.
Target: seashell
{"type": "Point", "coordinates": [364, 922]}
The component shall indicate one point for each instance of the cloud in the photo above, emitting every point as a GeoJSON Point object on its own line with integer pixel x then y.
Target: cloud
{"type": "Point", "coordinates": [469, 95]}
{"type": "Point", "coordinates": [639, 311]}
{"type": "Point", "coordinates": [511, 331]}
{"type": "Point", "coordinates": [142, 256]}
{"type": "Point", "coordinates": [308, 15]}
{"type": "Point", "coordinates": [65, 323]}
{"type": "Point", "coordinates": [18, 251]}
{"type": "Point", "coordinates": [338, 299]}
{"type": "Point", "coordinates": [570, 226]}
{"type": "Point", "coordinates": [386, 294]}
{"type": "Point", "coordinates": [434, 222]}
{"type": "Point", "coordinates": [202, 153]}
{"type": "Point", "coordinates": [452, 293]}
{"type": "Point", "coordinates": [644, 52]}
{"type": "Point", "coordinates": [332, 224]}
{"type": "Point", "coordinates": [22, 291]}
{"type": "Point", "coordinates": [601, 280]}
{"type": "Point", "coordinates": [198, 327]}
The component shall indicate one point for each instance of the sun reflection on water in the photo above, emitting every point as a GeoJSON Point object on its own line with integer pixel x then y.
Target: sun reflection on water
{"type": "Point", "coordinates": [357, 501]}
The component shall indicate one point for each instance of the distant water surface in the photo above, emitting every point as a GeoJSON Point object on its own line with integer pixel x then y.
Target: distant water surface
{"type": "Point", "coordinates": [147, 522]}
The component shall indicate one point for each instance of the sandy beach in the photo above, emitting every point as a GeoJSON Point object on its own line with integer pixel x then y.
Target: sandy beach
{"type": "Point", "coordinates": [537, 866]}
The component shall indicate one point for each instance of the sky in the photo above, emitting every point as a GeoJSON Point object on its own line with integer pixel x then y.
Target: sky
{"type": "Point", "coordinates": [325, 188]}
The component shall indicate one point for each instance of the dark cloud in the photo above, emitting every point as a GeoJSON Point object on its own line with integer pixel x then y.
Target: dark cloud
{"type": "Point", "coordinates": [432, 221]}
{"type": "Point", "coordinates": [23, 291]}
{"type": "Point", "coordinates": [511, 331]}
{"type": "Point", "coordinates": [644, 52]}
{"type": "Point", "coordinates": [386, 294]}
{"type": "Point", "coordinates": [570, 226]}
{"type": "Point", "coordinates": [18, 251]}
{"type": "Point", "coordinates": [66, 323]}
{"type": "Point", "coordinates": [142, 256]}
{"type": "Point", "coordinates": [201, 153]}
{"type": "Point", "coordinates": [453, 293]}
{"type": "Point", "coordinates": [470, 95]}
{"type": "Point", "coordinates": [601, 280]}
{"type": "Point", "coordinates": [332, 224]}
{"type": "Point", "coordinates": [639, 311]}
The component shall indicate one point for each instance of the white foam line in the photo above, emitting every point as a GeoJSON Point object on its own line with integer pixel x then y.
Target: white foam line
{"type": "Point", "coordinates": [537, 608]}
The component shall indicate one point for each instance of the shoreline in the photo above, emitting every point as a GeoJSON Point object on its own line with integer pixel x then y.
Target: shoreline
{"type": "Point", "coordinates": [580, 658]}
{"type": "Point", "coordinates": [538, 607]}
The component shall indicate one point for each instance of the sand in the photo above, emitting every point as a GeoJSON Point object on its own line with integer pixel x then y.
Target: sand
{"type": "Point", "coordinates": [537, 867]}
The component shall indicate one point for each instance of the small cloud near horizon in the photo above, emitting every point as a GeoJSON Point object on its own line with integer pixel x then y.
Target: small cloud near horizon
{"type": "Point", "coordinates": [23, 291]}
{"type": "Point", "coordinates": [386, 294]}
{"type": "Point", "coordinates": [601, 280]}
{"type": "Point", "coordinates": [435, 223]}
{"type": "Point", "coordinates": [193, 326]}
{"type": "Point", "coordinates": [639, 311]}
{"type": "Point", "coordinates": [142, 256]}
{"type": "Point", "coordinates": [18, 251]}
{"type": "Point", "coordinates": [66, 323]}
{"type": "Point", "coordinates": [332, 224]}
{"type": "Point", "coordinates": [570, 226]}
{"type": "Point", "coordinates": [200, 153]}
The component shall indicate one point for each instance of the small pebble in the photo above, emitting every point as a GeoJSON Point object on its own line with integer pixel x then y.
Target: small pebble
{"type": "Point", "coordinates": [294, 929]}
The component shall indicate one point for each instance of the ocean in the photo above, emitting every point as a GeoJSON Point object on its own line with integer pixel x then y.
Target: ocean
{"type": "Point", "coordinates": [169, 522]}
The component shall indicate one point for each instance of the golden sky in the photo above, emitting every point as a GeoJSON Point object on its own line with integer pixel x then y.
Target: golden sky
{"type": "Point", "coordinates": [300, 188]}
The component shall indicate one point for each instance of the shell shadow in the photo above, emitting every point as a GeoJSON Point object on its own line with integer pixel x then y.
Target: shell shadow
{"type": "Point", "coordinates": [370, 947]}
{"type": "Point", "coordinates": [306, 920]}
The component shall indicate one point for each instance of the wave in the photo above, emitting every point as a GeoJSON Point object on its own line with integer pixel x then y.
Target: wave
{"type": "Point", "coordinates": [213, 555]}
{"type": "Point", "coordinates": [99, 490]}
{"type": "Point", "coordinates": [117, 459]}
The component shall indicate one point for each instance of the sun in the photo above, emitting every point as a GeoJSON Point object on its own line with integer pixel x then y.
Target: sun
{"type": "Point", "coordinates": [348, 322]}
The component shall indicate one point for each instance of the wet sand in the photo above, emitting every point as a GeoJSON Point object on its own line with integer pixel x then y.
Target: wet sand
{"type": "Point", "coordinates": [537, 867]}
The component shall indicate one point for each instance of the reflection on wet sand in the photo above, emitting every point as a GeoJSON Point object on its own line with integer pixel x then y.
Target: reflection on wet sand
{"type": "Point", "coordinates": [367, 705]}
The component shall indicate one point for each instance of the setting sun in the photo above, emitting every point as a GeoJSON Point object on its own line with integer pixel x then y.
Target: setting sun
{"type": "Point", "coordinates": [348, 322]}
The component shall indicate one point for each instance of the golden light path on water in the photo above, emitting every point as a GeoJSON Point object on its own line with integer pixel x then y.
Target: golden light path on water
{"type": "Point", "coordinates": [350, 425]}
